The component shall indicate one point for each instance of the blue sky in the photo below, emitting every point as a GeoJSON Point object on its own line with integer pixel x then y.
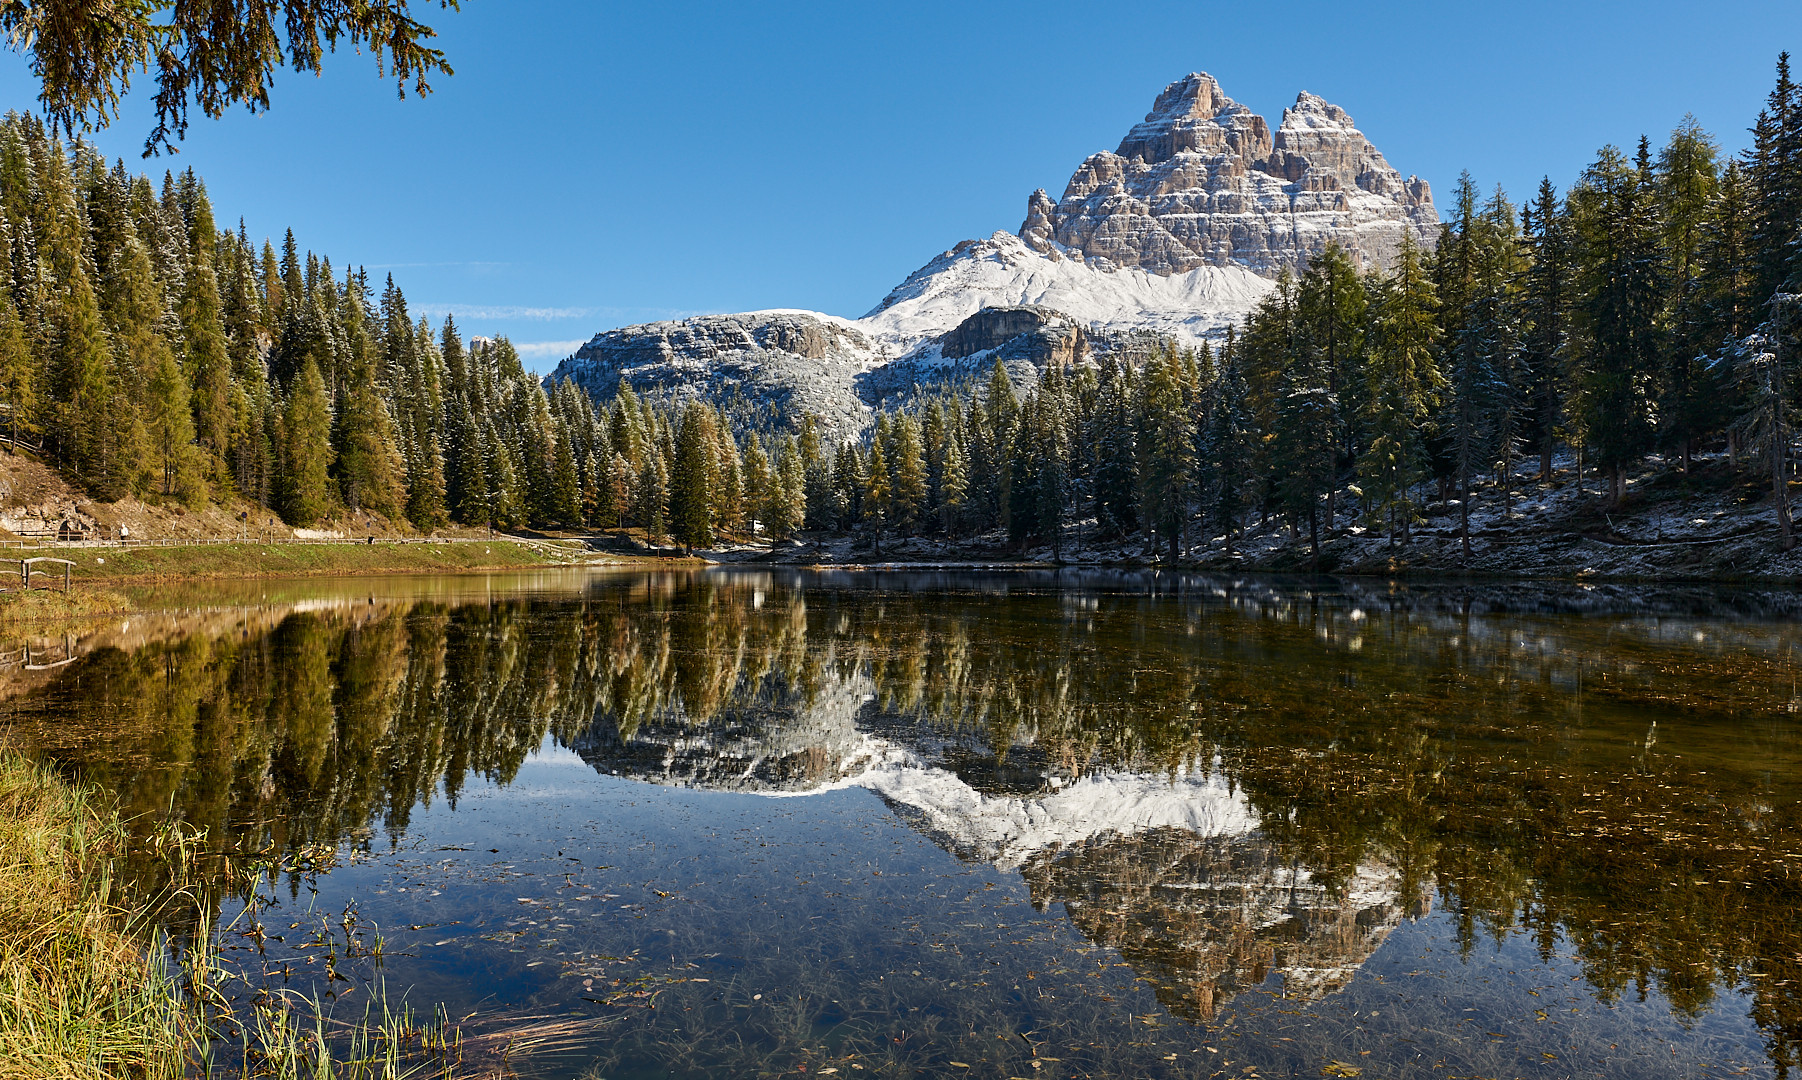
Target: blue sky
{"type": "Point", "coordinates": [597, 164]}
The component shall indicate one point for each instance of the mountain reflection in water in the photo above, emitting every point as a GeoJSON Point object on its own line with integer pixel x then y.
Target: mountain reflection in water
{"type": "Point", "coordinates": [1222, 780]}
{"type": "Point", "coordinates": [1169, 867]}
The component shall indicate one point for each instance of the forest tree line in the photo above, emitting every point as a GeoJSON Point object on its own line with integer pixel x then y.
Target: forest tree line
{"type": "Point", "coordinates": [1649, 309]}
{"type": "Point", "coordinates": [145, 351]}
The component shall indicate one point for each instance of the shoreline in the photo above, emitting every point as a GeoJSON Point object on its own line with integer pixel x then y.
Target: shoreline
{"type": "Point", "coordinates": [1415, 575]}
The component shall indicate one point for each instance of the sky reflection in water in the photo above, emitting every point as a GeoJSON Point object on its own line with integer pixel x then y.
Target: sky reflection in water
{"type": "Point", "coordinates": [752, 823]}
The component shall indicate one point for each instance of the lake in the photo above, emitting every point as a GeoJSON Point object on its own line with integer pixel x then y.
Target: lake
{"type": "Point", "coordinates": [1035, 824]}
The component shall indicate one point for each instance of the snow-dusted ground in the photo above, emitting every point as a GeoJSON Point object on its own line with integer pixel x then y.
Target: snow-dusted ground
{"type": "Point", "coordinates": [1715, 525]}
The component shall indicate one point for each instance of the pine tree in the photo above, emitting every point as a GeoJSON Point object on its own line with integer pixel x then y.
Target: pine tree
{"type": "Point", "coordinates": [908, 499]}
{"type": "Point", "coordinates": [1168, 452]}
{"type": "Point", "coordinates": [18, 375]}
{"type": "Point", "coordinates": [1404, 384]}
{"type": "Point", "coordinates": [1686, 184]}
{"type": "Point", "coordinates": [171, 429]}
{"type": "Point", "coordinates": [205, 357]}
{"type": "Point", "coordinates": [1621, 294]}
{"type": "Point", "coordinates": [1226, 446]}
{"type": "Point", "coordinates": [693, 479]}
{"type": "Point", "coordinates": [306, 430]}
{"type": "Point", "coordinates": [877, 483]}
{"type": "Point", "coordinates": [1774, 166]}
{"type": "Point", "coordinates": [1116, 454]}
{"type": "Point", "coordinates": [1545, 314]}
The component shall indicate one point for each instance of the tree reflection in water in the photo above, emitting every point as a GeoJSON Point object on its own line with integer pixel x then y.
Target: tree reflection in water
{"type": "Point", "coordinates": [1220, 779]}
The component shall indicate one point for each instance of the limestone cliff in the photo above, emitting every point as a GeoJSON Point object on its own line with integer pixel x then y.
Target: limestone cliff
{"type": "Point", "coordinates": [1201, 182]}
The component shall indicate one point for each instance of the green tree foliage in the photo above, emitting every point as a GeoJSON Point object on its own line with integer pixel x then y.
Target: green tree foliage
{"type": "Point", "coordinates": [1168, 453]}
{"type": "Point", "coordinates": [1403, 388]}
{"type": "Point", "coordinates": [1619, 342]}
{"type": "Point", "coordinates": [306, 442]}
{"type": "Point", "coordinates": [212, 56]}
{"type": "Point", "coordinates": [694, 478]}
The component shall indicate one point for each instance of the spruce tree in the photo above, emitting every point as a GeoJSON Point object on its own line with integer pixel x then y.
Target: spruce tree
{"type": "Point", "coordinates": [1226, 446]}
{"type": "Point", "coordinates": [1620, 298]}
{"type": "Point", "coordinates": [1169, 447]}
{"type": "Point", "coordinates": [170, 424]}
{"type": "Point", "coordinates": [790, 490]}
{"type": "Point", "coordinates": [1775, 170]}
{"type": "Point", "coordinates": [908, 499]}
{"type": "Point", "coordinates": [18, 376]}
{"type": "Point", "coordinates": [693, 479]}
{"type": "Point", "coordinates": [205, 358]}
{"type": "Point", "coordinates": [1686, 184]}
{"type": "Point", "coordinates": [1330, 304]}
{"type": "Point", "coordinates": [1545, 312]}
{"type": "Point", "coordinates": [1404, 384]}
{"type": "Point", "coordinates": [954, 488]}
{"type": "Point", "coordinates": [306, 430]}
{"type": "Point", "coordinates": [1116, 454]}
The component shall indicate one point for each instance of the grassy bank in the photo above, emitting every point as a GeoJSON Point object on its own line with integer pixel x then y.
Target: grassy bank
{"type": "Point", "coordinates": [39, 604]}
{"type": "Point", "coordinates": [250, 559]}
{"type": "Point", "coordinates": [87, 989]}
{"type": "Point", "coordinates": [78, 995]}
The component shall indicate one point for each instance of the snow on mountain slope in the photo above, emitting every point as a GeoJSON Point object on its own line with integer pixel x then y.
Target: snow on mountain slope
{"type": "Point", "coordinates": [1003, 270]}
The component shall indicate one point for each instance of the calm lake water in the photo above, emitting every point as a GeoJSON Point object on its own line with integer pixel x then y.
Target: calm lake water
{"type": "Point", "coordinates": [745, 823]}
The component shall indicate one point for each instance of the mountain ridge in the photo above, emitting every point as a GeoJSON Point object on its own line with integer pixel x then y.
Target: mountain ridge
{"type": "Point", "coordinates": [1179, 232]}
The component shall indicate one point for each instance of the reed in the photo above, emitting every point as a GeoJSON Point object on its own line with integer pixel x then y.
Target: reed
{"type": "Point", "coordinates": [79, 995]}
{"type": "Point", "coordinates": [90, 987]}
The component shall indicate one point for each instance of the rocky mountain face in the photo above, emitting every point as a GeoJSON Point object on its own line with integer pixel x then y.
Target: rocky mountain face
{"type": "Point", "coordinates": [1200, 182]}
{"type": "Point", "coordinates": [765, 367]}
{"type": "Point", "coordinates": [1177, 233]}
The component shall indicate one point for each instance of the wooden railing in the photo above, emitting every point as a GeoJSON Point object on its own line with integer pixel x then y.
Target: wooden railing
{"type": "Point", "coordinates": [27, 567]}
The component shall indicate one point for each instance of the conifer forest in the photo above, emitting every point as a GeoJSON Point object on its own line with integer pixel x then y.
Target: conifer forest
{"type": "Point", "coordinates": [149, 348]}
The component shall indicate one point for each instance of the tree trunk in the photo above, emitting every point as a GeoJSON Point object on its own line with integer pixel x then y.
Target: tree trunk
{"type": "Point", "coordinates": [1780, 485]}
{"type": "Point", "coordinates": [1314, 534]}
{"type": "Point", "coordinates": [1545, 462]}
{"type": "Point", "coordinates": [1464, 515]}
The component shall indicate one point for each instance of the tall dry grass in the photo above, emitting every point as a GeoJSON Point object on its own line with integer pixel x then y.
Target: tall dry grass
{"type": "Point", "coordinates": [89, 990]}
{"type": "Point", "coordinates": [81, 992]}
